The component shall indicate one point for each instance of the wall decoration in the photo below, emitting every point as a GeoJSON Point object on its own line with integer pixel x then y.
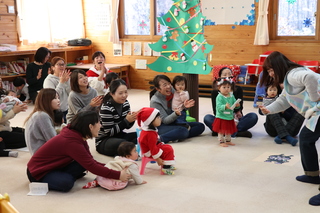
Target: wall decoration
{"type": "Point", "coordinates": [126, 48]}
{"type": "Point", "coordinates": [183, 46]}
{"type": "Point", "coordinates": [229, 12]}
{"type": "Point", "coordinates": [146, 49]}
{"type": "Point", "coordinates": [117, 49]}
{"type": "Point", "coordinates": [137, 48]}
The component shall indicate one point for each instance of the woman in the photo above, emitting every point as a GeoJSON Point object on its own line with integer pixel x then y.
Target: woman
{"type": "Point", "coordinates": [161, 100]}
{"type": "Point", "coordinates": [245, 122]}
{"type": "Point", "coordinates": [97, 73]}
{"type": "Point", "coordinates": [82, 97]}
{"type": "Point", "coordinates": [59, 80]}
{"type": "Point", "coordinates": [115, 116]}
{"type": "Point", "coordinates": [64, 159]}
{"type": "Point", "coordinates": [37, 71]}
{"type": "Point", "coordinates": [40, 125]}
{"type": "Point", "coordinates": [301, 91]}
{"type": "Point", "coordinates": [12, 137]}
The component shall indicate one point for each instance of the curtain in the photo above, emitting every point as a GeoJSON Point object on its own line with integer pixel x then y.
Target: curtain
{"type": "Point", "coordinates": [46, 21]}
{"type": "Point", "coordinates": [114, 31]}
{"type": "Point", "coordinates": [262, 32]}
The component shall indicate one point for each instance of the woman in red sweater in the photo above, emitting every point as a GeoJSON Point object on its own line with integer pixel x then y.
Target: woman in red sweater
{"type": "Point", "coordinates": [65, 158]}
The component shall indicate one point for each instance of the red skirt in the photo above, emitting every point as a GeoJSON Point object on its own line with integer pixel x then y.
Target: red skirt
{"type": "Point", "coordinates": [226, 127]}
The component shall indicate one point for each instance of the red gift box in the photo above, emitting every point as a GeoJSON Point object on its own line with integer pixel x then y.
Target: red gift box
{"type": "Point", "coordinates": [235, 70]}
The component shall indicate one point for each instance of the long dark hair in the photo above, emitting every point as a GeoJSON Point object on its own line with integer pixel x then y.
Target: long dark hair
{"type": "Point", "coordinates": [280, 64]}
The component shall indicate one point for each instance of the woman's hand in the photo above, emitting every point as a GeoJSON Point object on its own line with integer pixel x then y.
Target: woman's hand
{"type": "Point", "coordinates": [96, 101]}
{"type": "Point", "coordinates": [177, 111]}
{"type": "Point", "coordinates": [124, 176]}
{"type": "Point", "coordinates": [64, 76]}
{"type": "Point", "coordinates": [39, 74]}
{"type": "Point", "coordinates": [131, 116]}
{"type": "Point", "coordinates": [159, 161]}
{"type": "Point", "coordinates": [19, 107]}
{"type": "Point", "coordinates": [264, 110]}
{"type": "Point", "coordinates": [189, 103]}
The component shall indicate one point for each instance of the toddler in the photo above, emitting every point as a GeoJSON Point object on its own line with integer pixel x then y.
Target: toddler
{"type": "Point", "coordinates": [127, 156]}
{"type": "Point", "coordinates": [224, 123]}
{"type": "Point", "coordinates": [8, 101]}
{"type": "Point", "coordinates": [278, 118]}
{"type": "Point", "coordinates": [22, 89]}
{"type": "Point", "coordinates": [179, 97]}
{"type": "Point", "coordinates": [111, 76]}
{"type": "Point", "coordinates": [148, 119]}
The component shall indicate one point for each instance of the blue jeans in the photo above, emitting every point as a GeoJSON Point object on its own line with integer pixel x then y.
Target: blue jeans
{"type": "Point", "coordinates": [182, 118]}
{"type": "Point", "coordinates": [61, 179]}
{"type": "Point", "coordinates": [308, 150]}
{"type": "Point", "coordinates": [245, 123]}
{"type": "Point", "coordinates": [171, 132]}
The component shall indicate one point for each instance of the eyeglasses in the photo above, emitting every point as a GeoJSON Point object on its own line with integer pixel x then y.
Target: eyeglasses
{"type": "Point", "coordinates": [61, 65]}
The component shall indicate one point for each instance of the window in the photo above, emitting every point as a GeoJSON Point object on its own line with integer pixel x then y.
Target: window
{"type": "Point", "coordinates": [140, 17]}
{"type": "Point", "coordinates": [293, 20]}
{"type": "Point", "coordinates": [54, 22]}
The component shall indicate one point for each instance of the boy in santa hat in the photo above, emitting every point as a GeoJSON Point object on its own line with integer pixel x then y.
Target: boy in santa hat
{"type": "Point", "coordinates": [148, 119]}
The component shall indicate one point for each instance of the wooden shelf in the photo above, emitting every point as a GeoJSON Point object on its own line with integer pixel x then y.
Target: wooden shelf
{"type": "Point", "coordinates": [69, 54]}
{"type": "Point", "coordinates": [11, 77]}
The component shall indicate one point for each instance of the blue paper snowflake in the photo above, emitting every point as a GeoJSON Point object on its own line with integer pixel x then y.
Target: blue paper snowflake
{"type": "Point", "coordinates": [307, 22]}
{"type": "Point", "coordinates": [291, 1]}
{"type": "Point", "coordinates": [279, 159]}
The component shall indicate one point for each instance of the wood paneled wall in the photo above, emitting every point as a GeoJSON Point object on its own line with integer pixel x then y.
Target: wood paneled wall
{"type": "Point", "coordinates": [8, 31]}
{"type": "Point", "coordinates": [231, 46]}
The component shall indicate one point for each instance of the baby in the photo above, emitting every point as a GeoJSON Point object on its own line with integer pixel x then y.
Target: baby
{"type": "Point", "coordinates": [9, 101]}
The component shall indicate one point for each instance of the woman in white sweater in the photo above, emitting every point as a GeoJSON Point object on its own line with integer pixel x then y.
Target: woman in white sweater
{"type": "Point", "coordinates": [40, 123]}
{"type": "Point", "coordinates": [59, 80]}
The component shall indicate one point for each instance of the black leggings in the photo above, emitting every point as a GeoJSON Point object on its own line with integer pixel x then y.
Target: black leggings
{"type": "Point", "coordinates": [14, 139]}
{"type": "Point", "coordinates": [109, 146]}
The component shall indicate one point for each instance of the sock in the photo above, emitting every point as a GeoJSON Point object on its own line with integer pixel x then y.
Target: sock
{"type": "Point", "coordinates": [91, 184]}
{"type": "Point", "coordinates": [291, 140]}
{"type": "Point", "coordinates": [13, 154]}
{"type": "Point", "coordinates": [278, 140]}
{"type": "Point", "coordinates": [308, 179]}
{"type": "Point", "coordinates": [315, 200]}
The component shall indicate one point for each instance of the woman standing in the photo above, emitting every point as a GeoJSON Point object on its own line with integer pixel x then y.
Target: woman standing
{"type": "Point", "coordinates": [40, 123]}
{"type": "Point", "coordinates": [82, 97]}
{"type": "Point", "coordinates": [245, 122]}
{"type": "Point", "coordinates": [97, 73]}
{"type": "Point", "coordinates": [37, 71]}
{"type": "Point", "coordinates": [115, 116]}
{"type": "Point", "coordinates": [65, 158]}
{"type": "Point", "coordinates": [161, 100]}
{"type": "Point", "coordinates": [301, 91]}
{"type": "Point", "coordinates": [59, 80]}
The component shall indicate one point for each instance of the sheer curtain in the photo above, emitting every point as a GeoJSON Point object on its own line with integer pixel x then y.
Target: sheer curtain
{"type": "Point", "coordinates": [262, 32]}
{"type": "Point", "coordinates": [50, 21]}
{"type": "Point", "coordinates": [114, 31]}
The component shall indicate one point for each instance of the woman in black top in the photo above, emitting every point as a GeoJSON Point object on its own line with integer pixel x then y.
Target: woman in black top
{"type": "Point", "coordinates": [37, 71]}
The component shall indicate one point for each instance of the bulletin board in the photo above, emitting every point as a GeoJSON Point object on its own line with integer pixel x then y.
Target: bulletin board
{"type": "Point", "coordinates": [233, 12]}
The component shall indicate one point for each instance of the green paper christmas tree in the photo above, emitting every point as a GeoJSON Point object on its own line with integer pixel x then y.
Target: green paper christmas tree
{"type": "Point", "coordinates": [183, 47]}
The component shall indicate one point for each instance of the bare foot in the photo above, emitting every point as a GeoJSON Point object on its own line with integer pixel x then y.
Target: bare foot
{"type": "Point", "coordinates": [1, 139]}
{"type": "Point", "coordinates": [230, 143]}
{"type": "Point", "coordinates": [223, 145]}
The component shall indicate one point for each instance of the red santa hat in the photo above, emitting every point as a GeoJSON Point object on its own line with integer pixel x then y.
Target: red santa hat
{"type": "Point", "coordinates": [146, 115]}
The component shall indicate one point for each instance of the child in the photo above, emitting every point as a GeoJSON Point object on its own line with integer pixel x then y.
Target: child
{"type": "Point", "coordinates": [179, 97]}
{"type": "Point", "coordinates": [224, 122]}
{"type": "Point", "coordinates": [4, 153]}
{"type": "Point", "coordinates": [8, 101]}
{"type": "Point", "coordinates": [148, 119]}
{"type": "Point", "coordinates": [127, 156]}
{"type": "Point", "coordinates": [111, 76]}
{"type": "Point", "coordinates": [22, 89]}
{"type": "Point", "coordinates": [59, 121]}
{"type": "Point", "coordinates": [278, 119]}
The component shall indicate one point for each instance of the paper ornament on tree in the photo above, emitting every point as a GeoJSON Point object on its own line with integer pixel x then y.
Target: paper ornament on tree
{"type": "Point", "coordinates": [183, 47]}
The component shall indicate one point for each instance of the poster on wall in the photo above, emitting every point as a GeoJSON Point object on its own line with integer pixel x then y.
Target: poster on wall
{"type": "Point", "coordinates": [126, 48]}
{"type": "Point", "coordinates": [117, 49]}
{"type": "Point", "coordinates": [229, 12]}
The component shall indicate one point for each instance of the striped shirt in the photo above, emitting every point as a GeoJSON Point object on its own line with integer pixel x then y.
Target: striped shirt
{"type": "Point", "coordinates": [112, 122]}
